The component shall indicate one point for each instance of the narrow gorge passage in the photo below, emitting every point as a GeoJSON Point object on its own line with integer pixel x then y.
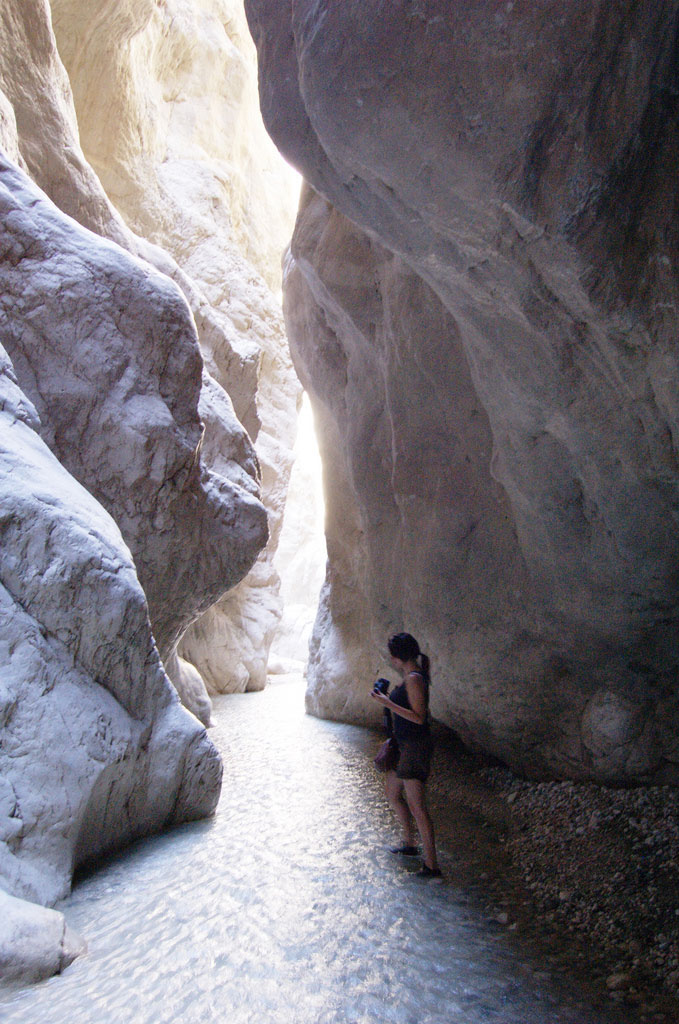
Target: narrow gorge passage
{"type": "Point", "coordinates": [286, 908]}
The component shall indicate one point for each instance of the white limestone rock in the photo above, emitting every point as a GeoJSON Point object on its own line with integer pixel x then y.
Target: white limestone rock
{"type": "Point", "coordinates": [106, 349]}
{"type": "Point", "coordinates": [177, 176]}
{"type": "Point", "coordinates": [168, 117]}
{"type": "Point", "coordinates": [96, 748]}
{"type": "Point", "coordinates": [173, 131]}
{"type": "Point", "coordinates": [190, 686]}
{"type": "Point", "coordinates": [35, 942]}
{"type": "Point", "coordinates": [496, 354]}
{"type": "Point", "coordinates": [45, 144]}
{"type": "Point", "coordinates": [8, 130]}
{"type": "Point", "coordinates": [230, 643]}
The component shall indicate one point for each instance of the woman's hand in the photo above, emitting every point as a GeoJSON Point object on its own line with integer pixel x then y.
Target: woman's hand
{"type": "Point", "coordinates": [381, 698]}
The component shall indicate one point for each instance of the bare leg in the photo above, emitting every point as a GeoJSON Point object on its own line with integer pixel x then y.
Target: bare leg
{"type": "Point", "coordinates": [393, 787]}
{"type": "Point", "coordinates": [417, 802]}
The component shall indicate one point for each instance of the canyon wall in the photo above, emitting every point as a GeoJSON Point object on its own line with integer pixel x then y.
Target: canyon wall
{"type": "Point", "coordinates": [167, 109]}
{"type": "Point", "coordinates": [130, 392]}
{"type": "Point", "coordinates": [482, 301]}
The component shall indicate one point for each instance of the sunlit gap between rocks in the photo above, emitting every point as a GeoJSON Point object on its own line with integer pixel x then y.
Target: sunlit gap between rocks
{"type": "Point", "coordinates": [301, 555]}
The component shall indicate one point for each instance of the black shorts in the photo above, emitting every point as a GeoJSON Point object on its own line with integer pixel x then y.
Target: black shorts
{"type": "Point", "coordinates": [414, 760]}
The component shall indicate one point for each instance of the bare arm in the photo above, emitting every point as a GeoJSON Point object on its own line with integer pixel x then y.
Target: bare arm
{"type": "Point", "coordinates": [416, 696]}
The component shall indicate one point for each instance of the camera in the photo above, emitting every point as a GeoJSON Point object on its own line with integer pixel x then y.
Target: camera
{"type": "Point", "coordinates": [382, 686]}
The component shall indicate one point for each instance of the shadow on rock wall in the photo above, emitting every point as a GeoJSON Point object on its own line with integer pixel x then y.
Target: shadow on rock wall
{"type": "Point", "coordinates": [483, 306]}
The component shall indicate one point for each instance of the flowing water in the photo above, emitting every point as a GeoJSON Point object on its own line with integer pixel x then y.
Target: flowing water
{"type": "Point", "coordinates": [287, 907]}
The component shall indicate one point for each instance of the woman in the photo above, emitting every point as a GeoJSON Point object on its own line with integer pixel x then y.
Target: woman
{"type": "Point", "coordinates": [409, 705]}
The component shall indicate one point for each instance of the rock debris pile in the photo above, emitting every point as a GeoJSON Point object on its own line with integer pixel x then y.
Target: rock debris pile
{"type": "Point", "coordinates": [603, 864]}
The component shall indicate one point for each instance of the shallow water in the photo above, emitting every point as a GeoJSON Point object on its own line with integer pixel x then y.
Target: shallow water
{"type": "Point", "coordinates": [287, 907]}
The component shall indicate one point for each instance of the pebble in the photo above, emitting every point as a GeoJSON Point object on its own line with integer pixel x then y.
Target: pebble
{"type": "Point", "coordinates": [602, 863]}
{"type": "Point", "coordinates": [618, 981]}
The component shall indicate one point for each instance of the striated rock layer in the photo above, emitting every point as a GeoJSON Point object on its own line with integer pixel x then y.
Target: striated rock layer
{"type": "Point", "coordinates": [482, 302]}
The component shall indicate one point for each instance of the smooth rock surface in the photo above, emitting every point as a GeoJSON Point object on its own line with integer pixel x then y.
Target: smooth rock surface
{"type": "Point", "coordinates": [230, 643]}
{"type": "Point", "coordinates": [96, 748]}
{"type": "Point", "coordinates": [167, 111]}
{"type": "Point", "coordinates": [106, 349]}
{"type": "Point", "coordinates": [35, 942]}
{"type": "Point", "coordinates": [109, 413]}
{"type": "Point", "coordinates": [493, 357]}
{"type": "Point", "coordinates": [209, 189]}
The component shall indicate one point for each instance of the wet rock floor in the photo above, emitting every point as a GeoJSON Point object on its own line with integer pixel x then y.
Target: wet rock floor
{"type": "Point", "coordinates": [287, 907]}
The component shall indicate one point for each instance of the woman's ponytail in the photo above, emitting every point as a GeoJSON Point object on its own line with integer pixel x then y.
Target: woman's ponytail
{"type": "Point", "coordinates": [424, 660]}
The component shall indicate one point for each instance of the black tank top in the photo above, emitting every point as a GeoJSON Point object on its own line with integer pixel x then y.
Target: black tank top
{"type": "Point", "coordinates": [405, 730]}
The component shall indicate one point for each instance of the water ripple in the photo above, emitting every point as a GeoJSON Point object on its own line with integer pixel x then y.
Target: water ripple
{"type": "Point", "coordinates": [286, 907]}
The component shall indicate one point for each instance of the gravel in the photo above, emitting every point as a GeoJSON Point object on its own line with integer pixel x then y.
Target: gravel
{"type": "Point", "coordinates": [605, 862]}
{"type": "Point", "coordinates": [592, 871]}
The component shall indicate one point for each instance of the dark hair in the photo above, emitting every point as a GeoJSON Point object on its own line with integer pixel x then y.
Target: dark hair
{"type": "Point", "coordinates": [406, 648]}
